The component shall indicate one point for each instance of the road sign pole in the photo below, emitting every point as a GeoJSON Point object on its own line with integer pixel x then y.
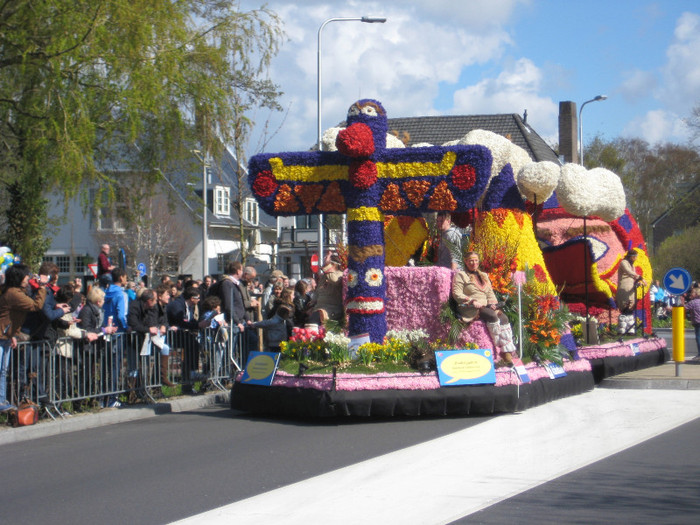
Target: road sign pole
{"type": "Point", "coordinates": [678, 330]}
{"type": "Point", "coordinates": [677, 282]}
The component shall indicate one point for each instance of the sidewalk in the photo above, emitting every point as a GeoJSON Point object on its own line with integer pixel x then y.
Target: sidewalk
{"type": "Point", "coordinates": [662, 377]}
{"type": "Point", "coordinates": [84, 421]}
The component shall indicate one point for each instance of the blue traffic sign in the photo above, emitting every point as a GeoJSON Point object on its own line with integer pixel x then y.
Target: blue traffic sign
{"type": "Point", "coordinates": [677, 281]}
{"type": "Point", "coordinates": [141, 267]}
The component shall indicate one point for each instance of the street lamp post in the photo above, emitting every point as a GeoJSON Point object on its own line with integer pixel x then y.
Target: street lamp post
{"type": "Point", "coordinates": [205, 255]}
{"type": "Point", "coordinates": [585, 233]}
{"type": "Point", "coordinates": [366, 20]}
{"type": "Point", "coordinates": [580, 126]}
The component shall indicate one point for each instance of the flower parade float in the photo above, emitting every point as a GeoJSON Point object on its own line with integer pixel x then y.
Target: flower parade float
{"type": "Point", "coordinates": [402, 310]}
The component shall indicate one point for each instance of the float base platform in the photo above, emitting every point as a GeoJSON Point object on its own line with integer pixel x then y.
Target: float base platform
{"type": "Point", "coordinates": [297, 402]}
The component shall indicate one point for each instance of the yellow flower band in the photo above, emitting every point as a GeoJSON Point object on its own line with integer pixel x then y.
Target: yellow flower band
{"type": "Point", "coordinates": [307, 173]}
{"type": "Point", "coordinates": [404, 170]}
{"type": "Point", "coordinates": [364, 213]}
{"type": "Point", "coordinates": [385, 170]}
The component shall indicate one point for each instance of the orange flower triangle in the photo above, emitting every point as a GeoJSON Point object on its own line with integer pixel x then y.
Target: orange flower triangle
{"type": "Point", "coordinates": [332, 200]}
{"type": "Point", "coordinates": [309, 195]}
{"type": "Point", "coordinates": [285, 201]}
{"type": "Point", "coordinates": [391, 199]}
{"type": "Point", "coordinates": [416, 190]}
{"type": "Point", "coordinates": [442, 198]}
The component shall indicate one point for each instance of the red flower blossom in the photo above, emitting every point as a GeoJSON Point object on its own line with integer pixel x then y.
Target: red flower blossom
{"type": "Point", "coordinates": [265, 184]}
{"type": "Point", "coordinates": [363, 174]}
{"type": "Point", "coordinates": [463, 177]}
{"type": "Point", "coordinates": [540, 274]}
{"type": "Point", "coordinates": [355, 141]}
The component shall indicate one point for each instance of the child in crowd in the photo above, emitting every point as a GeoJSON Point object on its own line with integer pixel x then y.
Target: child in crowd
{"type": "Point", "coordinates": [276, 329]}
{"type": "Point", "coordinates": [217, 335]}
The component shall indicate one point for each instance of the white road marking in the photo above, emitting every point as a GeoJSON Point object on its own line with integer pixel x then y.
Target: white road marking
{"type": "Point", "coordinates": [446, 478]}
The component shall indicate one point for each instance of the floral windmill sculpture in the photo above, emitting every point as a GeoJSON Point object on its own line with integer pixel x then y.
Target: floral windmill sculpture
{"type": "Point", "coordinates": [366, 180]}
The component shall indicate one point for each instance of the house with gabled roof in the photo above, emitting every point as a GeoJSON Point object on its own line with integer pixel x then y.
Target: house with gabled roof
{"type": "Point", "coordinates": [164, 233]}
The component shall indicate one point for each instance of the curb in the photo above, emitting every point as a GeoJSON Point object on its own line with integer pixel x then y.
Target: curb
{"type": "Point", "coordinates": [47, 428]}
{"type": "Point", "coordinates": [650, 384]}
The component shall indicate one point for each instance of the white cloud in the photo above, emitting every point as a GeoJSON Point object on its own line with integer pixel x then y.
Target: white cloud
{"type": "Point", "coordinates": [637, 84]}
{"type": "Point", "coordinates": [402, 62]}
{"type": "Point", "coordinates": [681, 89]}
{"type": "Point", "coordinates": [658, 126]}
{"type": "Point", "coordinates": [512, 91]}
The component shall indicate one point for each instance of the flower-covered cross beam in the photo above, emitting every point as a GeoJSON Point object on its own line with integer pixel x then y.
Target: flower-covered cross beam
{"type": "Point", "coordinates": [366, 180]}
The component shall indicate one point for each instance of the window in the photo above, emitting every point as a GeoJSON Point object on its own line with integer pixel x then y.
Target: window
{"type": "Point", "coordinates": [63, 263]}
{"type": "Point", "coordinates": [167, 262]}
{"type": "Point", "coordinates": [111, 219]}
{"type": "Point", "coordinates": [220, 262]}
{"type": "Point", "coordinates": [80, 264]}
{"type": "Point", "coordinates": [307, 222]}
{"type": "Point", "coordinates": [251, 211]}
{"type": "Point", "coordinates": [222, 200]}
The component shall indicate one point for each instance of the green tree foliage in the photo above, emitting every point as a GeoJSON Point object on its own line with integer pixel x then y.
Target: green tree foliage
{"type": "Point", "coordinates": [681, 250]}
{"type": "Point", "coordinates": [92, 87]}
{"type": "Point", "coordinates": [655, 177]}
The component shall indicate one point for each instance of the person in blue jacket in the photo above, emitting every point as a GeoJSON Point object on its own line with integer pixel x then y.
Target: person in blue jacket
{"type": "Point", "coordinates": [115, 311]}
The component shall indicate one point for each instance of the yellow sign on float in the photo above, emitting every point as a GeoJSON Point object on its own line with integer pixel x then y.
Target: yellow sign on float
{"type": "Point", "coordinates": [465, 367]}
{"type": "Point", "coordinates": [260, 368]}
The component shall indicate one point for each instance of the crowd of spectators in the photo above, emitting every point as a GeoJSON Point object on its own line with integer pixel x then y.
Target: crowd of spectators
{"type": "Point", "coordinates": [90, 325]}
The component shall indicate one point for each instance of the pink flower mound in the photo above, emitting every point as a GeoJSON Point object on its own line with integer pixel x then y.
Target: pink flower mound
{"type": "Point", "coordinates": [414, 297]}
{"type": "Point", "coordinates": [621, 349]}
{"type": "Point", "coordinates": [409, 380]}
{"type": "Point", "coordinates": [383, 381]}
{"type": "Point", "coordinates": [507, 376]}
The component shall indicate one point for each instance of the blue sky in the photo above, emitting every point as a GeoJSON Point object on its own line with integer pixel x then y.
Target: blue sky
{"type": "Point", "coordinates": [440, 57]}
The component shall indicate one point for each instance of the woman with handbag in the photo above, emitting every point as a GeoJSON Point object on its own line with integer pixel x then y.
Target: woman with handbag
{"type": "Point", "coordinates": [15, 304]}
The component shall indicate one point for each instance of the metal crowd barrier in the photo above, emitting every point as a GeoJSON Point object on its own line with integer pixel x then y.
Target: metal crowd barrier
{"type": "Point", "coordinates": [120, 365]}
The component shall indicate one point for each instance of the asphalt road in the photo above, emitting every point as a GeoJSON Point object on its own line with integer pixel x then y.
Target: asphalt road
{"type": "Point", "coordinates": [656, 482]}
{"type": "Point", "coordinates": [177, 466]}
{"type": "Point", "coordinates": [173, 466]}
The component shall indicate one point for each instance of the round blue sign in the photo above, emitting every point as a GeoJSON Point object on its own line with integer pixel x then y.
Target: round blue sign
{"type": "Point", "coordinates": [677, 281]}
{"type": "Point", "coordinates": [141, 267]}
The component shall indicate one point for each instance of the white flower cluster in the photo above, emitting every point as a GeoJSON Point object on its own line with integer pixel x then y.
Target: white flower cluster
{"type": "Point", "coordinates": [502, 150]}
{"type": "Point", "coordinates": [408, 336]}
{"type": "Point", "coordinates": [537, 180]}
{"type": "Point", "coordinates": [336, 339]}
{"type": "Point", "coordinates": [597, 192]}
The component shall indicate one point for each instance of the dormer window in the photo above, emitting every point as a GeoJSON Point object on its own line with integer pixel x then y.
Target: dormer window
{"type": "Point", "coordinates": [222, 200]}
{"type": "Point", "coordinates": [250, 212]}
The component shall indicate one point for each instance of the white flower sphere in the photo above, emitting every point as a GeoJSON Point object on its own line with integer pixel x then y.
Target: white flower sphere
{"type": "Point", "coordinates": [537, 180]}
{"type": "Point", "coordinates": [596, 192]}
{"type": "Point", "coordinates": [392, 141]}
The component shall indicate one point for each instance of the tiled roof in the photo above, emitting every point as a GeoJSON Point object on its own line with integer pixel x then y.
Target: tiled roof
{"type": "Point", "coordinates": [438, 130]}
